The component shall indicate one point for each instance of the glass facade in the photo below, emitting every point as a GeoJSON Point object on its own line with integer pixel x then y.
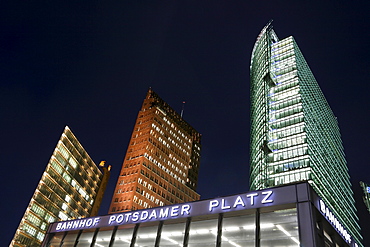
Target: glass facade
{"type": "Point", "coordinates": [289, 216]}
{"type": "Point", "coordinates": [278, 228]}
{"type": "Point", "coordinates": [294, 133]}
{"type": "Point", "coordinates": [68, 189]}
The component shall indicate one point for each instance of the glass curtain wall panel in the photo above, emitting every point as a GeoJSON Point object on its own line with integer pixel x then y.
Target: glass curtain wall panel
{"type": "Point", "coordinates": [294, 133]}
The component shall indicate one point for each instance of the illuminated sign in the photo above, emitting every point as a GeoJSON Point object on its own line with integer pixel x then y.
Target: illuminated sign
{"type": "Point", "coordinates": [368, 189]}
{"type": "Point", "coordinates": [336, 223]}
{"type": "Point", "coordinates": [223, 204]}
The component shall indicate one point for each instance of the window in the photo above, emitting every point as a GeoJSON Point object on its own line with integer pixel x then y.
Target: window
{"type": "Point", "coordinates": [279, 228]}
{"type": "Point", "coordinates": [123, 237]}
{"type": "Point", "coordinates": [29, 229]}
{"type": "Point", "coordinates": [239, 231]}
{"type": "Point", "coordinates": [172, 234]}
{"type": "Point", "coordinates": [203, 233]}
{"type": "Point", "coordinates": [146, 235]}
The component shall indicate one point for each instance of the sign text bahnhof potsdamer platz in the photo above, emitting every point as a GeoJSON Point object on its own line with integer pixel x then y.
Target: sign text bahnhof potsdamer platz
{"type": "Point", "coordinates": [291, 215]}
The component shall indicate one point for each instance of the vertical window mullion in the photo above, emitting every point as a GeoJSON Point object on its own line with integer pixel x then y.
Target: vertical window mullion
{"type": "Point", "coordinates": [94, 237]}
{"type": "Point", "coordinates": [219, 230]}
{"type": "Point", "coordinates": [112, 238]}
{"type": "Point", "coordinates": [134, 234]}
{"type": "Point", "coordinates": [77, 238]}
{"type": "Point", "coordinates": [159, 232]}
{"type": "Point", "coordinates": [187, 228]}
{"type": "Point", "coordinates": [258, 229]}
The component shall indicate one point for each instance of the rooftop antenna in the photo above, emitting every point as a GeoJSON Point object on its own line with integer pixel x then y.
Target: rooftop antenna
{"type": "Point", "coordinates": [182, 110]}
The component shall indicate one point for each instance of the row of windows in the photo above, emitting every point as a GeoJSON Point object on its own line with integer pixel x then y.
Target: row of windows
{"type": "Point", "coordinates": [169, 139]}
{"type": "Point", "coordinates": [287, 131]}
{"type": "Point", "coordinates": [282, 46]}
{"type": "Point", "coordinates": [292, 177]}
{"type": "Point", "coordinates": [284, 85]}
{"type": "Point", "coordinates": [285, 112]}
{"type": "Point", "coordinates": [82, 178]}
{"type": "Point", "coordinates": [284, 77]}
{"type": "Point", "coordinates": [287, 63]}
{"type": "Point", "coordinates": [129, 172]}
{"type": "Point", "coordinates": [161, 193]}
{"type": "Point", "coordinates": [178, 185]}
{"type": "Point", "coordinates": [171, 127]}
{"type": "Point", "coordinates": [179, 167]}
{"type": "Point", "coordinates": [279, 57]}
{"type": "Point", "coordinates": [176, 141]}
{"type": "Point", "coordinates": [150, 158]}
{"type": "Point", "coordinates": [148, 196]}
{"type": "Point", "coordinates": [36, 221]}
{"type": "Point", "coordinates": [287, 142]}
{"type": "Point", "coordinates": [285, 94]}
{"type": "Point", "coordinates": [68, 183]}
{"type": "Point", "coordinates": [86, 165]}
{"type": "Point", "coordinates": [284, 102]}
{"type": "Point", "coordinates": [287, 154]}
{"type": "Point", "coordinates": [73, 197]}
{"type": "Point", "coordinates": [29, 229]}
{"type": "Point", "coordinates": [124, 190]}
{"type": "Point", "coordinates": [284, 122]}
{"type": "Point", "coordinates": [289, 166]}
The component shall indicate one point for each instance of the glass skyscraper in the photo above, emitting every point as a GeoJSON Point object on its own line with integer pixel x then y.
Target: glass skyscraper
{"type": "Point", "coordinates": [71, 187]}
{"type": "Point", "coordinates": [294, 133]}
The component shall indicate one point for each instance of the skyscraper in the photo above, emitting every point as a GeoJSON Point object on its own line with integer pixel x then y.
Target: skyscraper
{"type": "Point", "coordinates": [294, 133]}
{"type": "Point", "coordinates": [71, 187]}
{"type": "Point", "coordinates": [162, 160]}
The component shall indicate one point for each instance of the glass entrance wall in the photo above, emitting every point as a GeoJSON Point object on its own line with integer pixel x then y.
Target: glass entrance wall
{"type": "Point", "coordinates": [203, 233]}
{"type": "Point", "coordinates": [173, 233]}
{"type": "Point", "coordinates": [69, 240]}
{"type": "Point", "coordinates": [103, 238]}
{"type": "Point", "coordinates": [85, 239]}
{"type": "Point", "coordinates": [238, 231]}
{"type": "Point", "coordinates": [56, 239]}
{"type": "Point", "coordinates": [123, 236]}
{"type": "Point", "coordinates": [146, 235]}
{"type": "Point", "coordinates": [277, 228]}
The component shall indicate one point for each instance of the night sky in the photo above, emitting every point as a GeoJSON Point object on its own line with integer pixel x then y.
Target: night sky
{"type": "Point", "coordinates": [88, 65]}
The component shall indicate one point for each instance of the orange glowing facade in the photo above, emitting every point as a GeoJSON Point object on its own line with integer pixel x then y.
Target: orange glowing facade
{"type": "Point", "coordinates": [162, 160]}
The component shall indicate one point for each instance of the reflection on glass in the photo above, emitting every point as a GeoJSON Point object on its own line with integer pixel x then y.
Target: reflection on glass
{"type": "Point", "coordinates": [123, 237]}
{"type": "Point", "coordinates": [203, 233]}
{"type": "Point", "coordinates": [238, 231]}
{"type": "Point", "coordinates": [279, 228]}
{"type": "Point", "coordinates": [69, 240]}
{"type": "Point", "coordinates": [146, 235]}
{"type": "Point", "coordinates": [103, 238]}
{"type": "Point", "coordinates": [55, 241]}
{"type": "Point", "coordinates": [173, 234]}
{"type": "Point", "coordinates": [85, 239]}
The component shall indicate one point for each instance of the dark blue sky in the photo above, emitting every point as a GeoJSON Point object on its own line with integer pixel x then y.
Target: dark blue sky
{"type": "Point", "coordinates": [88, 65]}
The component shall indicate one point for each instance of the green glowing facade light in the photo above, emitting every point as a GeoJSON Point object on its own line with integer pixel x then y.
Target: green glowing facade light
{"type": "Point", "coordinates": [294, 133]}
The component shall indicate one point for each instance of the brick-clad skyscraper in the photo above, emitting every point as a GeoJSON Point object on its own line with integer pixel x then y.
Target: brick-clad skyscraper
{"type": "Point", "coordinates": [162, 160]}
